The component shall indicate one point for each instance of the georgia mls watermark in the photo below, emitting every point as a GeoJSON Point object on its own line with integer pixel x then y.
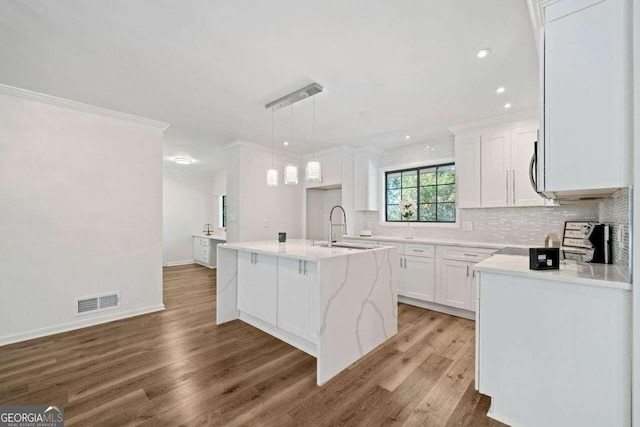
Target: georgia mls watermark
{"type": "Point", "coordinates": [32, 416]}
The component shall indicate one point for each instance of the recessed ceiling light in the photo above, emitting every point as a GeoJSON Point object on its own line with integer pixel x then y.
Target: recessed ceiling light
{"type": "Point", "coordinates": [507, 105]}
{"type": "Point", "coordinates": [500, 89]}
{"type": "Point", "coordinates": [183, 160]}
{"type": "Point", "coordinates": [482, 53]}
{"type": "Point", "coordinates": [286, 143]}
{"type": "Point", "coordinates": [407, 137]}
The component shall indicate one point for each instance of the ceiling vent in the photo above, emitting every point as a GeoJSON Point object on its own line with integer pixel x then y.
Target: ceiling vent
{"type": "Point", "coordinates": [97, 303]}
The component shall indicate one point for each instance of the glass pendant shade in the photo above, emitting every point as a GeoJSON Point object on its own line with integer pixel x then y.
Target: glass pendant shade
{"type": "Point", "coordinates": [313, 171]}
{"type": "Point", "coordinates": [291, 175]}
{"type": "Point", "coordinates": [272, 177]}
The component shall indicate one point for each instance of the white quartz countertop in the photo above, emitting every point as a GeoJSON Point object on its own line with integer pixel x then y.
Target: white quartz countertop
{"type": "Point", "coordinates": [606, 275]}
{"type": "Point", "coordinates": [444, 242]}
{"type": "Point", "coordinates": [299, 249]}
{"type": "Point", "coordinates": [212, 237]}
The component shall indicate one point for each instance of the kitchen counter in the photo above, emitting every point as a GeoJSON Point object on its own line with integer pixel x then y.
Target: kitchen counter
{"type": "Point", "coordinates": [218, 237]}
{"type": "Point", "coordinates": [336, 304]}
{"type": "Point", "coordinates": [300, 249]}
{"type": "Point", "coordinates": [606, 275]}
{"type": "Point", "coordinates": [444, 242]}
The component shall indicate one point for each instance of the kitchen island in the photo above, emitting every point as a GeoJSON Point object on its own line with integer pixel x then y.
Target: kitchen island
{"type": "Point", "coordinates": [335, 303]}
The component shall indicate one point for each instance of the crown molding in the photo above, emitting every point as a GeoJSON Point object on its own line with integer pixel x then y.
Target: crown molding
{"type": "Point", "coordinates": [340, 149]}
{"type": "Point", "coordinates": [78, 106]}
{"type": "Point", "coordinates": [495, 121]}
{"type": "Point", "coordinates": [536, 15]}
{"type": "Point", "coordinates": [237, 143]}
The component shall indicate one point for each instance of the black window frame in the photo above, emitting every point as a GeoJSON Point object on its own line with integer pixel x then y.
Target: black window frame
{"type": "Point", "coordinates": [417, 170]}
{"type": "Point", "coordinates": [224, 211]}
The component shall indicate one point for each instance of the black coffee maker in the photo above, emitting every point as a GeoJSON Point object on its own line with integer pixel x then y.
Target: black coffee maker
{"type": "Point", "coordinates": [600, 238]}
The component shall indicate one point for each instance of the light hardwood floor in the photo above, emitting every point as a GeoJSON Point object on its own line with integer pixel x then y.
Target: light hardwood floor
{"type": "Point", "coordinates": [178, 367]}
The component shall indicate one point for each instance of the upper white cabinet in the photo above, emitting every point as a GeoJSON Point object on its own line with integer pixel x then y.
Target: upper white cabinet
{"type": "Point", "coordinates": [496, 169]}
{"type": "Point", "coordinates": [468, 172]}
{"type": "Point", "coordinates": [331, 172]}
{"type": "Point", "coordinates": [506, 160]}
{"type": "Point", "coordinates": [365, 181]}
{"type": "Point", "coordinates": [586, 80]}
{"type": "Point", "coordinates": [493, 166]}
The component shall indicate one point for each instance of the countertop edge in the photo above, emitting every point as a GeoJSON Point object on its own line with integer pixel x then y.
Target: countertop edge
{"type": "Point", "coordinates": [443, 242]}
{"type": "Point", "coordinates": [567, 279]}
{"type": "Point", "coordinates": [239, 247]}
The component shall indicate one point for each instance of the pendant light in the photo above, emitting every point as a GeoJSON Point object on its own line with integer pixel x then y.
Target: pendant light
{"type": "Point", "coordinates": [272, 173]}
{"type": "Point", "coordinates": [313, 172]}
{"type": "Point", "coordinates": [291, 171]}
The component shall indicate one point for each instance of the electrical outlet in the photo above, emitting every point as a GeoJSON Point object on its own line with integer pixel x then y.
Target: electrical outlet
{"type": "Point", "coordinates": [266, 223]}
{"type": "Point", "coordinates": [467, 225]}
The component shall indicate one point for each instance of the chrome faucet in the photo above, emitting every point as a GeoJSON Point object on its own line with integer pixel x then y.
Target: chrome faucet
{"type": "Point", "coordinates": [331, 224]}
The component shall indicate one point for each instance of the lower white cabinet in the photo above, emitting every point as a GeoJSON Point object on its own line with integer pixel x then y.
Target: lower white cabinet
{"type": "Point", "coordinates": [296, 296]}
{"type": "Point", "coordinates": [258, 285]}
{"type": "Point", "coordinates": [201, 250]}
{"type": "Point", "coordinates": [417, 278]}
{"type": "Point", "coordinates": [454, 286]}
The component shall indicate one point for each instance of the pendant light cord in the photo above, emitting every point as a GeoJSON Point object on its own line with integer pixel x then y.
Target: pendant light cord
{"type": "Point", "coordinates": [291, 136]}
{"type": "Point", "coordinates": [313, 131]}
{"type": "Point", "coordinates": [272, 126]}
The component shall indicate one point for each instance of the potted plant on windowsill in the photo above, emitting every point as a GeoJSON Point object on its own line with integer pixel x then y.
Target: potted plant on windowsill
{"type": "Point", "coordinates": [407, 211]}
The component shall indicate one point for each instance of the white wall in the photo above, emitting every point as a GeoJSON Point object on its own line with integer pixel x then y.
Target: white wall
{"type": "Point", "coordinates": [319, 203]}
{"type": "Point", "coordinates": [188, 203]}
{"type": "Point", "coordinates": [80, 214]}
{"type": "Point", "coordinates": [250, 202]}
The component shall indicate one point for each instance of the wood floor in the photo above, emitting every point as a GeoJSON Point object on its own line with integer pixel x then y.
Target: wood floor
{"type": "Point", "coordinates": [177, 367]}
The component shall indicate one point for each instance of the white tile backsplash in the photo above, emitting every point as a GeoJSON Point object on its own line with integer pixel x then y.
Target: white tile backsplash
{"type": "Point", "coordinates": [615, 212]}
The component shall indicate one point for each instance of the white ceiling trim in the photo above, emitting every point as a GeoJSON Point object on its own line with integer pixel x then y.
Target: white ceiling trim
{"type": "Point", "coordinates": [329, 151]}
{"type": "Point", "coordinates": [240, 143]}
{"type": "Point", "coordinates": [495, 121]}
{"type": "Point", "coordinates": [78, 106]}
{"type": "Point", "coordinates": [537, 20]}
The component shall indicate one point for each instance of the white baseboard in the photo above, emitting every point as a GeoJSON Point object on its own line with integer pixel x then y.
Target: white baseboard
{"type": "Point", "coordinates": [177, 263]}
{"type": "Point", "coordinates": [465, 314]}
{"type": "Point", "coordinates": [83, 323]}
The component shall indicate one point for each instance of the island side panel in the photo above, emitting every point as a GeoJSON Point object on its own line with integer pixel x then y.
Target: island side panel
{"type": "Point", "coordinates": [358, 308]}
{"type": "Point", "coordinates": [226, 285]}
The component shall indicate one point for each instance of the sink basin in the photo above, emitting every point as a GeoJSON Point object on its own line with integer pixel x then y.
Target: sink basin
{"type": "Point", "coordinates": [348, 246]}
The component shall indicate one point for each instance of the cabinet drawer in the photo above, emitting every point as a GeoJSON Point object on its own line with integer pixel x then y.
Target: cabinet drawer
{"type": "Point", "coordinates": [400, 246]}
{"type": "Point", "coordinates": [464, 254]}
{"type": "Point", "coordinates": [417, 249]}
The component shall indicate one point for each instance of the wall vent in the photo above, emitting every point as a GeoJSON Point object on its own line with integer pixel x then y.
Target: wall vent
{"type": "Point", "coordinates": [97, 303]}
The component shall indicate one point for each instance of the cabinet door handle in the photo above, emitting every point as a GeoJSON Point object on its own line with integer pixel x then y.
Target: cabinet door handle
{"type": "Point", "coordinates": [473, 273]}
{"type": "Point", "coordinates": [299, 266]}
{"type": "Point", "coordinates": [513, 186]}
{"type": "Point", "coordinates": [305, 268]}
{"type": "Point", "coordinates": [467, 270]}
{"type": "Point", "coordinates": [400, 262]}
{"type": "Point", "coordinates": [506, 184]}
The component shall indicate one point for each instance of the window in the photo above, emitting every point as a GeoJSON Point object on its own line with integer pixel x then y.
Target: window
{"type": "Point", "coordinates": [223, 211]}
{"type": "Point", "coordinates": [432, 189]}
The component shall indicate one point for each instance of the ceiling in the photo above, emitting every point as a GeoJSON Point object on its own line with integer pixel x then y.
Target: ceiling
{"type": "Point", "coordinates": [208, 67]}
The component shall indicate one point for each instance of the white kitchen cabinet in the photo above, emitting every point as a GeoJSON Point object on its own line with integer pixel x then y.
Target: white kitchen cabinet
{"type": "Point", "coordinates": [495, 169]}
{"type": "Point", "coordinates": [331, 172]}
{"type": "Point", "coordinates": [296, 295]}
{"type": "Point", "coordinates": [258, 285]}
{"type": "Point", "coordinates": [586, 79]}
{"type": "Point", "coordinates": [454, 286]}
{"type": "Point", "coordinates": [506, 157]}
{"type": "Point", "coordinates": [468, 171]}
{"type": "Point", "coordinates": [522, 146]}
{"type": "Point", "coordinates": [418, 281]}
{"type": "Point", "coordinates": [365, 181]}
{"type": "Point", "coordinates": [201, 250]}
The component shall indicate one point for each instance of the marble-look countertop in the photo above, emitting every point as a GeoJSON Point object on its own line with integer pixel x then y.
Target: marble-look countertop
{"type": "Point", "coordinates": [299, 249]}
{"type": "Point", "coordinates": [606, 275]}
{"type": "Point", "coordinates": [443, 242]}
{"type": "Point", "coordinates": [212, 237]}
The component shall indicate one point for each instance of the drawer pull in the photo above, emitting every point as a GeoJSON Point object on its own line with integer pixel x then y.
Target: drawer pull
{"type": "Point", "coordinates": [417, 250]}
{"type": "Point", "coordinates": [470, 254]}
